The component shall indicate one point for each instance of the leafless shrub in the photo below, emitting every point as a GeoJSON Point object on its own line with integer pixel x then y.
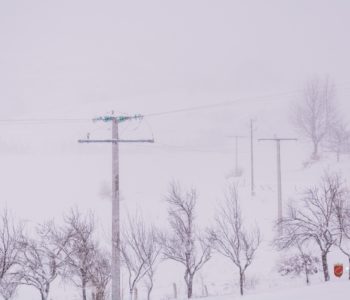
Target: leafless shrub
{"type": "Point", "coordinates": [299, 263]}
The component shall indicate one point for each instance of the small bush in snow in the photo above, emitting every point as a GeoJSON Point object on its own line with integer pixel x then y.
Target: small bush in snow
{"type": "Point", "coordinates": [299, 264]}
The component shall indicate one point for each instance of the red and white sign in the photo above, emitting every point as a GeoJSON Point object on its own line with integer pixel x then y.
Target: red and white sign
{"type": "Point", "coordinates": [338, 270]}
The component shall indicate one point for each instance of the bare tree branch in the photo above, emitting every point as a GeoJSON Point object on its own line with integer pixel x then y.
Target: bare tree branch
{"type": "Point", "coordinates": [314, 221]}
{"type": "Point", "coordinates": [315, 113]}
{"type": "Point", "coordinates": [185, 244]}
{"type": "Point", "coordinates": [76, 238]}
{"type": "Point", "coordinates": [140, 251]}
{"type": "Point", "coordinates": [100, 274]}
{"type": "Point", "coordinates": [230, 237]}
{"type": "Point", "coordinates": [41, 259]}
{"type": "Point", "coordinates": [10, 234]}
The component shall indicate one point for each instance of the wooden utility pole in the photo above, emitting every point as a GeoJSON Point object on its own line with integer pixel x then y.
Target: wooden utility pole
{"type": "Point", "coordinates": [116, 288]}
{"type": "Point", "coordinates": [236, 137]}
{"type": "Point", "coordinates": [252, 184]}
{"type": "Point", "coordinates": [279, 172]}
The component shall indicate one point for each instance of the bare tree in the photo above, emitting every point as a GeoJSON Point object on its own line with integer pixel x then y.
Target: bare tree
{"type": "Point", "coordinates": [185, 244]}
{"type": "Point", "coordinates": [232, 239]}
{"type": "Point", "coordinates": [314, 220]}
{"type": "Point", "coordinates": [79, 246]}
{"type": "Point", "coordinates": [342, 209]}
{"type": "Point", "coordinates": [315, 113]}
{"type": "Point", "coordinates": [10, 234]}
{"type": "Point", "coordinates": [140, 250]}
{"type": "Point", "coordinates": [41, 259]}
{"type": "Point", "coordinates": [338, 140]}
{"type": "Point", "coordinates": [151, 250]}
{"type": "Point", "coordinates": [100, 274]}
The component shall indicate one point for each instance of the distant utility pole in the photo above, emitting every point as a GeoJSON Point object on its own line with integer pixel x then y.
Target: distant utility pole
{"type": "Point", "coordinates": [252, 187]}
{"type": "Point", "coordinates": [236, 137]}
{"type": "Point", "coordinates": [279, 172]}
{"type": "Point", "coordinates": [116, 289]}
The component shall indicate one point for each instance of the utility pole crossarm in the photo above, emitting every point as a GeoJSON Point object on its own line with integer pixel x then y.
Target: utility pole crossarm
{"type": "Point", "coordinates": [237, 136]}
{"type": "Point", "coordinates": [278, 139]}
{"type": "Point", "coordinates": [252, 184]}
{"type": "Point", "coordinates": [115, 141]}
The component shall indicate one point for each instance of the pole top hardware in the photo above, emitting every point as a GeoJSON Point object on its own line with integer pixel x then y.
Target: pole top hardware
{"type": "Point", "coordinates": [119, 119]}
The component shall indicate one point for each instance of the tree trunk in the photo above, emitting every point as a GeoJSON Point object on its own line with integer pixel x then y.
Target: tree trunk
{"type": "Point", "coordinates": [136, 294]}
{"type": "Point", "coordinates": [99, 295]}
{"type": "Point", "coordinates": [175, 290]}
{"type": "Point", "coordinates": [349, 267]}
{"type": "Point", "coordinates": [84, 291]}
{"type": "Point", "coordinates": [83, 284]}
{"type": "Point", "coordinates": [241, 282]}
{"type": "Point", "coordinates": [44, 296]}
{"type": "Point", "coordinates": [315, 152]}
{"type": "Point", "coordinates": [307, 276]}
{"type": "Point", "coordinates": [149, 291]}
{"type": "Point", "coordinates": [189, 283]}
{"type": "Point", "coordinates": [45, 293]}
{"type": "Point", "coordinates": [325, 267]}
{"type": "Point", "coordinates": [131, 293]}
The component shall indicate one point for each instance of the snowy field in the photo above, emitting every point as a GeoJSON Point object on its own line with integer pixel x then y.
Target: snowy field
{"type": "Point", "coordinates": [326, 291]}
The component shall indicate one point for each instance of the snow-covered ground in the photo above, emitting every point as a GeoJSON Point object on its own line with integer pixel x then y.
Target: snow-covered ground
{"type": "Point", "coordinates": [42, 184]}
{"type": "Point", "coordinates": [324, 291]}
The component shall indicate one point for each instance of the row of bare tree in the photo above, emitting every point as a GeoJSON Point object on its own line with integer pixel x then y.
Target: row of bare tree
{"type": "Point", "coordinates": [143, 247]}
{"type": "Point", "coordinates": [320, 220]}
{"type": "Point", "coordinates": [72, 251]}
{"type": "Point", "coordinates": [191, 247]}
{"type": "Point", "coordinates": [37, 259]}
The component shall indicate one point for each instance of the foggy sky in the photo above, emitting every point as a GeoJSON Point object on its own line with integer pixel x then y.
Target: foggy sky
{"type": "Point", "coordinates": [66, 58]}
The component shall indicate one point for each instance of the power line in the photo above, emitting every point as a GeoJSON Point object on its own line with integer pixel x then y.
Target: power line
{"type": "Point", "coordinates": [222, 104]}
{"type": "Point", "coordinates": [253, 99]}
{"type": "Point", "coordinates": [231, 102]}
{"type": "Point", "coordinates": [45, 120]}
{"type": "Point", "coordinates": [180, 110]}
